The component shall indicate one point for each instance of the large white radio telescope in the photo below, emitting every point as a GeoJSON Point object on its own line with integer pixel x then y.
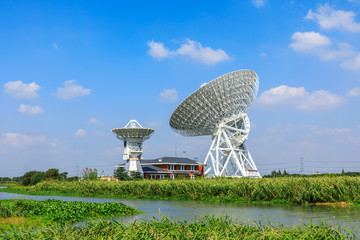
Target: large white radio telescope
{"type": "Point", "coordinates": [218, 108]}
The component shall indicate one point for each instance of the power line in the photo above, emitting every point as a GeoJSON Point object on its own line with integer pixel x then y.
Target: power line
{"type": "Point", "coordinates": [260, 164]}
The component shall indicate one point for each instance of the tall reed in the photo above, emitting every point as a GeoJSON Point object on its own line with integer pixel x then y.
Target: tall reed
{"type": "Point", "coordinates": [294, 190]}
{"type": "Point", "coordinates": [208, 227]}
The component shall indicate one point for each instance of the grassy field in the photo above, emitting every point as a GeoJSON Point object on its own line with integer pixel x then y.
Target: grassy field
{"type": "Point", "coordinates": [267, 190]}
{"type": "Point", "coordinates": [30, 213]}
{"type": "Point", "coordinates": [208, 227]}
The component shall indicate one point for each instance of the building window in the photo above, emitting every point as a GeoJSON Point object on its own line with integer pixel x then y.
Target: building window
{"type": "Point", "coordinates": [182, 167]}
{"type": "Point", "coordinates": [152, 176]}
{"type": "Point", "coordinates": [192, 176]}
{"type": "Point", "coordinates": [171, 167]}
{"type": "Point", "coordinates": [162, 176]}
{"type": "Point", "coordinates": [192, 168]}
{"type": "Point", "coordinates": [172, 176]}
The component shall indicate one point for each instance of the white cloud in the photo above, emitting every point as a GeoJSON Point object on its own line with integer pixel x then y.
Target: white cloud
{"type": "Point", "coordinates": [355, 92]}
{"type": "Point", "coordinates": [169, 95]}
{"type": "Point", "coordinates": [258, 3]}
{"type": "Point", "coordinates": [352, 63]}
{"type": "Point", "coordinates": [95, 121]}
{"type": "Point", "coordinates": [329, 18]}
{"type": "Point", "coordinates": [308, 41]}
{"type": "Point", "coordinates": [80, 133]}
{"type": "Point", "coordinates": [19, 140]}
{"type": "Point", "coordinates": [206, 55]}
{"type": "Point", "coordinates": [321, 99]}
{"type": "Point", "coordinates": [56, 46]}
{"type": "Point", "coordinates": [158, 51]}
{"type": "Point", "coordinates": [343, 50]}
{"type": "Point", "coordinates": [300, 99]}
{"type": "Point", "coordinates": [29, 110]}
{"type": "Point", "coordinates": [18, 89]}
{"type": "Point", "coordinates": [322, 46]}
{"type": "Point", "coordinates": [71, 90]}
{"type": "Point", "coordinates": [263, 54]}
{"type": "Point", "coordinates": [282, 94]}
{"type": "Point", "coordinates": [190, 49]}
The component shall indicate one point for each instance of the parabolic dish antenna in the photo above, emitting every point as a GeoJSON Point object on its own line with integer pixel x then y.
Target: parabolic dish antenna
{"type": "Point", "coordinates": [133, 135]}
{"type": "Point", "coordinates": [218, 109]}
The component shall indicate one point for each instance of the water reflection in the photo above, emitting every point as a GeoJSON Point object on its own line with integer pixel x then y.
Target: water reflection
{"type": "Point", "coordinates": [288, 215]}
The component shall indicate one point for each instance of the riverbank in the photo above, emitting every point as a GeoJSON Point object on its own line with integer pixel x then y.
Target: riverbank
{"type": "Point", "coordinates": [316, 190]}
{"type": "Point", "coordinates": [32, 191]}
{"type": "Point", "coordinates": [209, 227]}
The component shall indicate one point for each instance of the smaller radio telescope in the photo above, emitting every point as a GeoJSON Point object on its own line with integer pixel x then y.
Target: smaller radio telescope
{"type": "Point", "coordinates": [133, 135]}
{"type": "Point", "coordinates": [218, 109]}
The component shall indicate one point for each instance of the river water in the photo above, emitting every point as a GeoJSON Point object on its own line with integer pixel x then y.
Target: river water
{"type": "Point", "coordinates": [288, 215]}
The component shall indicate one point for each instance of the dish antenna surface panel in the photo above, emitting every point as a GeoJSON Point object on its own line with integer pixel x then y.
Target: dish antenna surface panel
{"type": "Point", "coordinates": [218, 109]}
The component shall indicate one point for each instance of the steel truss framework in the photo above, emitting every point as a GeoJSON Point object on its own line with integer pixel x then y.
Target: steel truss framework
{"type": "Point", "coordinates": [228, 155]}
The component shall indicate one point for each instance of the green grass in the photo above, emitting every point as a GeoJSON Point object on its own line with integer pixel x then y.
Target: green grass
{"type": "Point", "coordinates": [267, 190]}
{"type": "Point", "coordinates": [34, 213]}
{"type": "Point", "coordinates": [208, 227]}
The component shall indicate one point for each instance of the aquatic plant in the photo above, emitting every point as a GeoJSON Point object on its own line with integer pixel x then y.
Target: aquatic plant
{"type": "Point", "coordinates": [61, 211]}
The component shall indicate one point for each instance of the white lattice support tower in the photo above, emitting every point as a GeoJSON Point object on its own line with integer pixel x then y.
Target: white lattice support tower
{"type": "Point", "coordinates": [228, 155]}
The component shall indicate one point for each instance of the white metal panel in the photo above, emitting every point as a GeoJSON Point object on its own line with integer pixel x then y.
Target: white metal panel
{"type": "Point", "coordinates": [224, 97]}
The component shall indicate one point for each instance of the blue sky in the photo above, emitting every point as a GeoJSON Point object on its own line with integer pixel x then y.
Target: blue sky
{"type": "Point", "coordinates": [70, 71]}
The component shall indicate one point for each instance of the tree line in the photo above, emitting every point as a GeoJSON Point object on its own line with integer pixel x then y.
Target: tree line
{"type": "Point", "coordinates": [278, 173]}
{"type": "Point", "coordinates": [33, 177]}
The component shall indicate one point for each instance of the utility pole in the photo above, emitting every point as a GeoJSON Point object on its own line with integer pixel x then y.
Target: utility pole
{"type": "Point", "coordinates": [301, 165]}
{"type": "Point", "coordinates": [78, 170]}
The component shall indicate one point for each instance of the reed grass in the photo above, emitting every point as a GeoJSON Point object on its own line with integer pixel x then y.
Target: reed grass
{"type": "Point", "coordinates": [209, 227]}
{"type": "Point", "coordinates": [273, 190]}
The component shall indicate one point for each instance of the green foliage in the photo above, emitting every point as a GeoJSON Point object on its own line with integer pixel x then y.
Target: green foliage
{"type": "Point", "coordinates": [63, 212]}
{"type": "Point", "coordinates": [63, 175]}
{"type": "Point", "coordinates": [283, 190]}
{"type": "Point", "coordinates": [121, 174]}
{"type": "Point", "coordinates": [17, 179]}
{"type": "Point", "coordinates": [5, 180]}
{"type": "Point", "coordinates": [72, 179]}
{"type": "Point", "coordinates": [52, 174]}
{"type": "Point", "coordinates": [32, 178]}
{"type": "Point", "coordinates": [286, 174]}
{"type": "Point", "coordinates": [89, 174]}
{"type": "Point", "coordinates": [135, 175]}
{"type": "Point", "coordinates": [208, 227]}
